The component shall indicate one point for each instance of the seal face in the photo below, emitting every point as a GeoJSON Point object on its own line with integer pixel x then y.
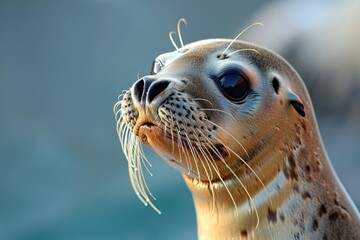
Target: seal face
{"type": "Point", "coordinates": [240, 128]}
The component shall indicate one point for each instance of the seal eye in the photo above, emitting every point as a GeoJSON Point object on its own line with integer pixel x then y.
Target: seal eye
{"type": "Point", "coordinates": [234, 86]}
{"type": "Point", "coordinates": [156, 67]}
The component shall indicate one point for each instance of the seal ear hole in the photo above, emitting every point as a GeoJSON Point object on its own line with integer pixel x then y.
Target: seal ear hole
{"type": "Point", "coordinates": [276, 85]}
{"type": "Point", "coordinates": [299, 107]}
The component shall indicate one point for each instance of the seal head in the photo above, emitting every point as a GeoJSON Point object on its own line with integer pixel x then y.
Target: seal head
{"type": "Point", "coordinates": [239, 126]}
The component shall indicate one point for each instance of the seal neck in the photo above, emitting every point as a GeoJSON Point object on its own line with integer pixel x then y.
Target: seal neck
{"type": "Point", "coordinates": [232, 210]}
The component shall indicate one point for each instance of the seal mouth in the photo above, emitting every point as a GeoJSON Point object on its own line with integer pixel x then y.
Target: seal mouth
{"type": "Point", "coordinates": [216, 150]}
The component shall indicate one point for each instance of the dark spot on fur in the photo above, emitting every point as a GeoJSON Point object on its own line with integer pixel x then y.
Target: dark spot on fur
{"type": "Point", "coordinates": [243, 233]}
{"type": "Point", "coordinates": [296, 188]}
{"type": "Point", "coordinates": [333, 216]}
{"type": "Point", "coordinates": [315, 224]}
{"type": "Point", "coordinates": [290, 168]}
{"type": "Point", "coordinates": [297, 236]}
{"type": "Point", "coordinates": [324, 237]}
{"type": "Point", "coordinates": [306, 195]}
{"type": "Point", "coordinates": [282, 217]}
{"type": "Point", "coordinates": [322, 210]}
{"type": "Point", "coordinates": [271, 215]}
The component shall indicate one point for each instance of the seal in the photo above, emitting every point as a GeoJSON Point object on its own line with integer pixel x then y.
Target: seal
{"type": "Point", "coordinates": [236, 120]}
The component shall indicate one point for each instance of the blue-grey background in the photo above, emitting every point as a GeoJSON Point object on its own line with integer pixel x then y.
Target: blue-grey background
{"type": "Point", "coordinates": [62, 66]}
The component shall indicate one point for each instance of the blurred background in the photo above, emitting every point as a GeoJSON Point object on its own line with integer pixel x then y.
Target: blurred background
{"type": "Point", "coordinates": [62, 66]}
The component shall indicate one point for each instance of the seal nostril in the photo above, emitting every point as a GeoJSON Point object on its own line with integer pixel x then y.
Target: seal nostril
{"type": "Point", "coordinates": [139, 89]}
{"type": "Point", "coordinates": [156, 88]}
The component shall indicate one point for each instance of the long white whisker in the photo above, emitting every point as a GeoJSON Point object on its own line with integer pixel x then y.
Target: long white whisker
{"type": "Point", "coordinates": [171, 131]}
{"type": "Point", "coordinates": [229, 135]}
{"type": "Point", "coordinates": [243, 187]}
{"type": "Point", "coordinates": [193, 153]}
{"type": "Point", "coordinates": [172, 39]}
{"type": "Point", "coordinates": [135, 156]}
{"type": "Point", "coordinates": [201, 99]}
{"type": "Point", "coordinates": [249, 167]}
{"type": "Point", "coordinates": [242, 50]}
{"type": "Point", "coordinates": [218, 110]}
{"type": "Point", "coordinates": [179, 30]}
{"type": "Point", "coordinates": [254, 24]}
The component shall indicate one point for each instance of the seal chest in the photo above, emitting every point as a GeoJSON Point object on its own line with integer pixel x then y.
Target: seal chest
{"type": "Point", "coordinates": [239, 125]}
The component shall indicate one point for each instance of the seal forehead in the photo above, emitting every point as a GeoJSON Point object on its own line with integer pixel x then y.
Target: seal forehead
{"type": "Point", "coordinates": [199, 50]}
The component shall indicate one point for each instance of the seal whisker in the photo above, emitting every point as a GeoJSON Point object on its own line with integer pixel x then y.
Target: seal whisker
{"type": "Point", "coordinates": [145, 159]}
{"type": "Point", "coordinates": [208, 161]}
{"type": "Point", "coordinates": [192, 149]}
{"type": "Point", "coordinates": [249, 167]}
{"type": "Point", "coordinates": [201, 148]}
{"type": "Point", "coordinates": [181, 20]}
{"type": "Point", "coordinates": [243, 187]}
{"type": "Point", "coordinates": [252, 25]}
{"type": "Point", "coordinates": [117, 108]}
{"type": "Point", "coordinates": [201, 99]}
{"type": "Point", "coordinates": [210, 145]}
{"type": "Point", "coordinates": [171, 131]}
{"type": "Point", "coordinates": [217, 170]}
{"type": "Point", "coordinates": [136, 158]}
{"type": "Point", "coordinates": [138, 178]}
{"type": "Point", "coordinates": [187, 154]}
{"type": "Point", "coordinates": [165, 131]}
{"type": "Point", "coordinates": [207, 174]}
{"type": "Point", "coordinates": [172, 39]}
{"type": "Point", "coordinates": [237, 141]}
{"type": "Point", "coordinates": [218, 110]}
{"type": "Point", "coordinates": [242, 50]}
{"type": "Point", "coordinates": [180, 149]}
